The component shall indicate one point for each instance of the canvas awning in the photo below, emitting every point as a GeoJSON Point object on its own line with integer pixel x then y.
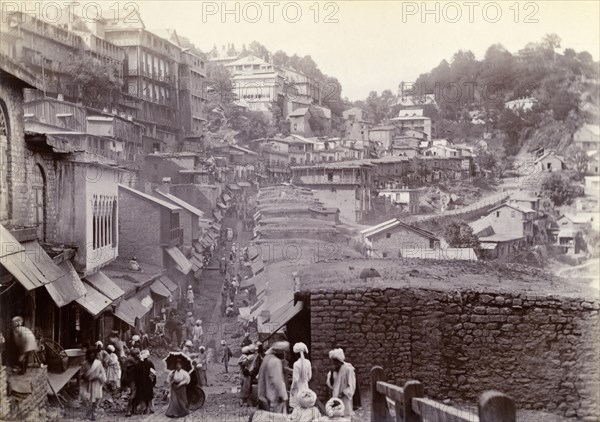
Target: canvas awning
{"type": "Point", "coordinates": [181, 262]}
{"type": "Point", "coordinates": [68, 287]}
{"type": "Point", "coordinates": [215, 226]}
{"type": "Point", "coordinates": [15, 258]}
{"type": "Point", "coordinates": [159, 289]}
{"type": "Point", "coordinates": [233, 186]}
{"type": "Point", "coordinates": [221, 205]}
{"type": "Point", "coordinates": [130, 309]}
{"type": "Point", "coordinates": [93, 301]}
{"type": "Point", "coordinates": [226, 197]}
{"type": "Point", "coordinates": [250, 313]}
{"type": "Point", "coordinates": [104, 285]}
{"type": "Point", "coordinates": [244, 184]}
{"type": "Point", "coordinates": [169, 284]}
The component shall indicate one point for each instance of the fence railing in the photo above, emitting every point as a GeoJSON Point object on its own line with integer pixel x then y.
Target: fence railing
{"type": "Point", "coordinates": [391, 403]}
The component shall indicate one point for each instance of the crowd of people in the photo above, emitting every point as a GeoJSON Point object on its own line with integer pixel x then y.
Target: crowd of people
{"type": "Point", "coordinates": [279, 399]}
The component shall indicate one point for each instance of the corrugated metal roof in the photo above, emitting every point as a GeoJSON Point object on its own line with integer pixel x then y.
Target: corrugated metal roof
{"type": "Point", "coordinates": [160, 289]}
{"type": "Point", "coordinates": [130, 309]}
{"type": "Point", "coordinates": [180, 202]}
{"type": "Point", "coordinates": [16, 261]}
{"type": "Point", "coordinates": [150, 198]}
{"type": "Point", "coordinates": [169, 284]}
{"type": "Point", "coordinates": [93, 301]}
{"type": "Point", "coordinates": [105, 285]}
{"type": "Point", "coordinates": [181, 262]}
{"type": "Point", "coordinates": [68, 287]}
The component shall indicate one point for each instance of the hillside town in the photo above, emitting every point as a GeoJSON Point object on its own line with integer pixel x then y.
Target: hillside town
{"type": "Point", "coordinates": [209, 235]}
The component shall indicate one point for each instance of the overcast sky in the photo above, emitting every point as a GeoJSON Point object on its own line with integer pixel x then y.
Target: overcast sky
{"type": "Point", "coordinates": [374, 45]}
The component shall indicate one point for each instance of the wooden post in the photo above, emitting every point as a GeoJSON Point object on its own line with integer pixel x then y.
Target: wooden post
{"type": "Point", "coordinates": [412, 389]}
{"type": "Point", "coordinates": [495, 406]}
{"type": "Point", "coordinates": [379, 412]}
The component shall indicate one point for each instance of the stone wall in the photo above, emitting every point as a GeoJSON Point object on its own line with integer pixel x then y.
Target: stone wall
{"type": "Point", "coordinates": [32, 406]}
{"type": "Point", "coordinates": [541, 350]}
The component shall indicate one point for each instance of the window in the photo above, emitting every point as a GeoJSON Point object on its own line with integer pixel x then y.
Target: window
{"type": "Point", "coordinates": [497, 213]}
{"type": "Point", "coordinates": [388, 235]}
{"type": "Point", "coordinates": [4, 162]}
{"type": "Point", "coordinates": [512, 214]}
{"type": "Point", "coordinates": [103, 221]}
{"type": "Point", "coordinates": [38, 187]}
{"type": "Point", "coordinates": [385, 254]}
{"type": "Point", "coordinates": [431, 243]}
{"type": "Point", "coordinates": [330, 177]}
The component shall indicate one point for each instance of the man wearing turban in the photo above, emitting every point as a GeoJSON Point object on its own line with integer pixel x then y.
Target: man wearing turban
{"type": "Point", "coordinates": [342, 380]}
{"type": "Point", "coordinates": [271, 380]}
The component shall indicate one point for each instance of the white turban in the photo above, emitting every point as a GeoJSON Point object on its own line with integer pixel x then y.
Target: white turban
{"type": "Point", "coordinates": [144, 354]}
{"type": "Point", "coordinates": [135, 338]}
{"type": "Point", "coordinates": [110, 348]}
{"type": "Point", "coordinates": [99, 343]}
{"type": "Point", "coordinates": [337, 354]}
{"type": "Point", "coordinates": [334, 407]}
{"type": "Point", "coordinates": [300, 348]}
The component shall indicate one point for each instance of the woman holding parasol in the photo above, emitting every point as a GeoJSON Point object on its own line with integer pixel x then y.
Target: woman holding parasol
{"type": "Point", "coordinates": [178, 379]}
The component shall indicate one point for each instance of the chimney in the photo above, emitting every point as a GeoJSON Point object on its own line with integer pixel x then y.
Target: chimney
{"type": "Point", "coordinates": [164, 185]}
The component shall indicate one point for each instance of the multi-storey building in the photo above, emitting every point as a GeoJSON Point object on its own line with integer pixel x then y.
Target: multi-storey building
{"type": "Point", "coordinates": [152, 78]}
{"type": "Point", "coordinates": [413, 119]}
{"type": "Point", "coordinates": [345, 185]}
{"type": "Point", "coordinates": [43, 48]}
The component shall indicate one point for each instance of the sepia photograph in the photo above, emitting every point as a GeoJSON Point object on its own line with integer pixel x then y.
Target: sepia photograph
{"type": "Point", "coordinates": [299, 211]}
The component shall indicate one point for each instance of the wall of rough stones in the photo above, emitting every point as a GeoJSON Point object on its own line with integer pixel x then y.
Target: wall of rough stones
{"type": "Point", "coordinates": [32, 406]}
{"type": "Point", "coordinates": [542, 350]}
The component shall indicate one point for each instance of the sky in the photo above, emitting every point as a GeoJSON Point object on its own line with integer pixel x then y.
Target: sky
{"type": "Point", "coordinates": [375, 45]}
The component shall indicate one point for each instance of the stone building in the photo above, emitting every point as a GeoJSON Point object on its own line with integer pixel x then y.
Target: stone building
{"type": "Point", "coordinates": [457, 329]}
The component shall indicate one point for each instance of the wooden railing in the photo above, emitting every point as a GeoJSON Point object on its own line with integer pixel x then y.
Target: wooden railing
{"type": "Point", "coordinates": [391, 403]}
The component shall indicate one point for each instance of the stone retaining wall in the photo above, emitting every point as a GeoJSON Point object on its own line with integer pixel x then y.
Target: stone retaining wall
{"type": "Point", "coordinates": [32, 406]}
{"type": "Point", "coordinates": [541, 350]}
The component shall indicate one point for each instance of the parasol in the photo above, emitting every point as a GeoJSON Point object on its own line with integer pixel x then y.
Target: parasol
{"type": "Point", "coordinates": [173, 357]}
{"type": "Point", "coordinates": [369, 273]}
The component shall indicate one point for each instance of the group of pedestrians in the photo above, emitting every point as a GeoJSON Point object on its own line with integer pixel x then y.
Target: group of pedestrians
{"type": "Point", "coordinates": [117, 368]}
{"type": "Point", "coordinates": [298, 403]}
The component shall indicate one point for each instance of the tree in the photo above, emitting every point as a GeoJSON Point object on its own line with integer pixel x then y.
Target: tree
{"type": "Point", "coordinates": [96, 83]}
{"type": "Point", "coordinates": [459, 234]}
{"type": "Point", "coordinates": [560, 189]}
{"type": "Point", "coordinates": [578, 161]}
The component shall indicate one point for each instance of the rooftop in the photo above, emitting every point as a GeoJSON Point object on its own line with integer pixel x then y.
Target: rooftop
{"type": "Point", "coordinates": [451, 276]}
{"type": "Point", "coordinates": [150, 198]}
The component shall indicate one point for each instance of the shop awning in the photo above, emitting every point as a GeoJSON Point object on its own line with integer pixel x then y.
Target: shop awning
{"type": "Point", "coordinates": [233, 186]}
{"type": "Point", "coordinates": [130, 309]}
{"type": "Point", "coordinates": [42, 261]}
{"type": "Point", "coordinates": [281, 317]}
{"type": "Point", "coordinates": [104, 285]}
{"type": "Point", "coordinates": [257, 266]}
{"type": "Point", "coordinates": [181, 262]}
{"type": "Point", "coordinates": [93, 301]}
{"type": "Point", "coordinates": [221, 205]}
{"type": "Point", "coordinates": [215, 226]}
{"type": "Point", "coordinates": [217, 215]}
{"type": "Point", "coordinates": [244, 184]}
{"type": "Point", "coordinates": [226, 197]}
{"type": "Point", "coordinates": [250, 313]}
{"type": "Point", "coordinates": [196, 262]}
{"type": "Point", "coordinates": [169, 284]}
{"type": "Point", "coordinates": [67, 288]}
{"type": "Point", "coordinates": [160, 289]}
{"type": "Point", "coordinates": [198, 247]}
{"type": "Point", "coordinates": [14, 257]}
{"type": "Point", "coordinates": [256, 215]}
